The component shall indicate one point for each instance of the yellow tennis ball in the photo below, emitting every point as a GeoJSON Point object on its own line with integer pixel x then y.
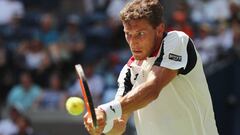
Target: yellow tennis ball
{"type": "Point", "coordinates": [75, 105]}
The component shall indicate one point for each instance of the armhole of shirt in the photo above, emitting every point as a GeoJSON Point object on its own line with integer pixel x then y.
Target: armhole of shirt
{"type": "Point", "coordinates": [127, 82]}
{"type": "Point", "coordinates": [160, 58]}
{"type": "Point", "coordinates": [124, 82]}
{"type": "Point", "coordinates": [191, 58]}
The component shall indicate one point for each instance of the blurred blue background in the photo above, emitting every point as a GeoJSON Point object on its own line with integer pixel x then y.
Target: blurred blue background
{"type": "Point", "coordinates": [42, 40]}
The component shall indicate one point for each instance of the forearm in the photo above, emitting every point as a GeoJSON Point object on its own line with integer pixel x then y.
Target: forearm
{"type": "Point", "coordinates": [140, 97]}
{"type": "Point", "coordinates": [148, 91]}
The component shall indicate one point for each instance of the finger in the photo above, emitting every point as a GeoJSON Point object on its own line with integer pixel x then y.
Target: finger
{"type": "Point", "coordinates": [86, 121]}
{"type": "Point", "coordinates": [85, 116]}
{"type": "Point", "coordinates": [99, 129]}
{"type": "Point", "coordinates": [95, 132]}
{"type": "Point", "coordinates": [101, 123]}
{"type": "Point", "coordinates": [92, 132]}
{"type": "Point", "coordinates": [89, 125]}
{"type": "Point", "coordinates": [90, 122]}
{"type": "Point", "coordinates": [98, 133]}
{"type": "Point", "coordinates": [101, 120]}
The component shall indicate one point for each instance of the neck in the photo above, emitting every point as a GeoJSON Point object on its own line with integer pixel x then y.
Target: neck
{"type": "Point", "coordinates": [158, 41]}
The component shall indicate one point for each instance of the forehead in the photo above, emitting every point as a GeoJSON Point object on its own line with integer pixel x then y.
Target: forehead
{"type": "Point", "coordinates": [135, 25]}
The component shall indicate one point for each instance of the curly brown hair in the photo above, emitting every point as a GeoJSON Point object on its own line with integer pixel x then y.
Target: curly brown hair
{"type": "Point", "coordinates": [151, 10]}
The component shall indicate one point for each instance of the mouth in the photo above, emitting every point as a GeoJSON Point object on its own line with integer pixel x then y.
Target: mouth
{"type": "Point", "coordinates": [136, 51]}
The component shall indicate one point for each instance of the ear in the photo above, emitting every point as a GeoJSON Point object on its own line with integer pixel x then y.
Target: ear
{"type": "Point", "coordinates": [160, 29]}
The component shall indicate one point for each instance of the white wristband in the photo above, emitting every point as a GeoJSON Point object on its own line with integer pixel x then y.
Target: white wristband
{"type": "Point", "coordinates": [112, 109]}
{"type": "Point", "coordinates": [108, 126]}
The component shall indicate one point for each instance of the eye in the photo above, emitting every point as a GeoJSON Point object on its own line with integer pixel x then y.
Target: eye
{"type": "Point", "coordinates": [127, 35]}
{"type": "Point", "coordinates": [141, 34]}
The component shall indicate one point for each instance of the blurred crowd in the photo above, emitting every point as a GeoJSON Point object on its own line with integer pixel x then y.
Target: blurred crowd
{"type": "Point", "coordinates": [42, 40]}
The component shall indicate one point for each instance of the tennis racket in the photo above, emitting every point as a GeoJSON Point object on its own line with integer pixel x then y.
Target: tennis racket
{"type": "Point", "coordinates": [86, 94]}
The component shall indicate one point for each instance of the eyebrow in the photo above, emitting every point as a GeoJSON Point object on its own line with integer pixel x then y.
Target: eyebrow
{"type": "Point", "coordinates": [142, 29]}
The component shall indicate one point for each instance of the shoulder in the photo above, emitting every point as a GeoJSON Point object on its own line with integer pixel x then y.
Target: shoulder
{"type": "Point", "coordinates": [175, 39]}
{"type": "Point", "coordinates": [36, 88]}
{"type": "Point", "coordinates": [17, 89]}
{"type": "Point", "coordinates": [176, 36]}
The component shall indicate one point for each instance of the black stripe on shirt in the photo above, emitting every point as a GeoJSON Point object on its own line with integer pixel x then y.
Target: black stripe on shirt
{"type": "Point", "coordinates": [192, 58]}
{"type": "Point", "coordinates": [160, 58]}
{"type": "Point", "coordinates": [127, 82]}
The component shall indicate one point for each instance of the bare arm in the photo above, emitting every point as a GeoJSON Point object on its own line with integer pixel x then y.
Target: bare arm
{"type": "Point", "coordinates": [132, 101]}
{"type": "Point", "coordinates": [149, 91]}
{"type": "Point", "coordinates": [119, 125]}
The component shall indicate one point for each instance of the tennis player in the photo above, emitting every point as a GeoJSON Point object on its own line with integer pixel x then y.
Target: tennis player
{"type": "Point", "coordinates": [163, 83]}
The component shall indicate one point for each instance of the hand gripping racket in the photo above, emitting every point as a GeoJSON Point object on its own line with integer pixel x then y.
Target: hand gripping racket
{"type": "Point", "coordinates": [86, 94]}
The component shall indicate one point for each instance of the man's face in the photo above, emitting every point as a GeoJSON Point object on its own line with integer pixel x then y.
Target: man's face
{"type": "Point", "coordinates": [141, 37]}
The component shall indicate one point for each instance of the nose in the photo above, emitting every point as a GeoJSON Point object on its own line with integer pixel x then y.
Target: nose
{"type": "Point", "coordinates": [133, 43]}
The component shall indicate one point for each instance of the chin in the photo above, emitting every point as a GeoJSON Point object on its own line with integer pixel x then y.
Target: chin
{"type": "Point", "coordinates": [139, 57]}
